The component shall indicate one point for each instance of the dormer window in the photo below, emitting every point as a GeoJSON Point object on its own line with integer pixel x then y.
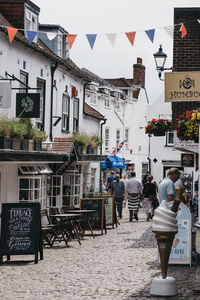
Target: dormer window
{"type": "Point", "coordinates": [31, 22]}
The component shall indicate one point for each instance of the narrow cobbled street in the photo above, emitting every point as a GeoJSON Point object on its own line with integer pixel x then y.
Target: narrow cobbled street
{"type": "Point", "coordinates": [119, 265]}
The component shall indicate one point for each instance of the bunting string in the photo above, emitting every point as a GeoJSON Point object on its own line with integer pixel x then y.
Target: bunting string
{"type": "Point", "coordinates": [91, 38]}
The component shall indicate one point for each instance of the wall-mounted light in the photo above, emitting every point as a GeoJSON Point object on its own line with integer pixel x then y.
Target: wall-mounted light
{"type": "Point", "coordinates": [160, 59]}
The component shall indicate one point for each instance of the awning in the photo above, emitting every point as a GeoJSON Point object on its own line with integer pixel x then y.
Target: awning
{"type": "Point", "coordinates": [103, 165]}
{"type": "Point", "coordinates": [115, 162]}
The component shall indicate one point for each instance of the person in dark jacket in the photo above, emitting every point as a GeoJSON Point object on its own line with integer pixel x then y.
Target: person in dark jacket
{"type": "Point", "coordinates": [118, 190]}
{"type": "Point", "coordinates": [149, 192]}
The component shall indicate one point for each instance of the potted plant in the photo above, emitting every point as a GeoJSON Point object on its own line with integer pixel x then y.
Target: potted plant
{"type": "Point", "coordinates": [17, 132]}
{"type": "Point", "coordinates": [39, 137]}
{"type": "Point", "coordinates": [158, 127]}
{"type": "Point", "coordinates": [82, 142]}
{"type": "Point", "coordinates": [187, 126]}
{"type": "Point", "coordinates": [5, 138]}
{"type": "Point", "coordinates": [94, 143]}
{"type": "Point", "coordinates": [28, 142]}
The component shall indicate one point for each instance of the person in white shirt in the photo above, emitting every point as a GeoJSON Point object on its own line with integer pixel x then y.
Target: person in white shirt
{"type": "Point", "coordinates": [134, 193]}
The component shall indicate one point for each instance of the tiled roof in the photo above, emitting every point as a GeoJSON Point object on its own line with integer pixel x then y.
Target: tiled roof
{"type": "Point", "coordinates": [120, 82]}
{"type": "Point", "coordinates": [96, 78]}
{"type": "Point", "coordinates": [63, 145]}
{"type": "Point", "coordinates": [41, 48]}
{"type": "Point", "coordinates": [92, 112]}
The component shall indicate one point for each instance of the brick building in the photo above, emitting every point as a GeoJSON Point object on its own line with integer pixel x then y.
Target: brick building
{"type": "Point", "coordinates": [186, 51]}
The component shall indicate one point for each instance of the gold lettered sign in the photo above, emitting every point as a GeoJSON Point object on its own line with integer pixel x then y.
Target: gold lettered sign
{"type": "Point", "coordinates": [182, 86]}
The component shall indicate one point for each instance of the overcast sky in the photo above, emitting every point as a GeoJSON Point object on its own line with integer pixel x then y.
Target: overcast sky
{"type": "Point", "coordinates": [116, 16]}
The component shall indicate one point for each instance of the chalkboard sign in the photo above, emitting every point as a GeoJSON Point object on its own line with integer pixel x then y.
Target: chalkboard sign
{"type": "Point", "coordinates": [97, 219]}
{"type": "Point", "coordinates": [20, 230]}
{"type": "Point", "coordinates": [109, 210]}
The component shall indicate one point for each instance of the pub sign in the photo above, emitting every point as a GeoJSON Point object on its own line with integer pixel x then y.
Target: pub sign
{"type": "Point", "coordinates": [182, 86]}
{"type": "Point", "coordinates": [27, 105]}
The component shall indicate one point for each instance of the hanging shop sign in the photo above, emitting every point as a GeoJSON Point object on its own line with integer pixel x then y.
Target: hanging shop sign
{"type": "Point", "coordinates": [182, 86]}
{"type": "Point", "coordinates": [27, 105]}
{"type": "Point", "coordinates": [187, 160]}
{"type": "Point", "coordinates": [5, 95]}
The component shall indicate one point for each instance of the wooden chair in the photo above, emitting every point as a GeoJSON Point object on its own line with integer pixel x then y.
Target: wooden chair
{"type": "Point", "coordinates": [48, 229]}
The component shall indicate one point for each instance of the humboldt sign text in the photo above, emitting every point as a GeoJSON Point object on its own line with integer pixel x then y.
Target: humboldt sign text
{"type": "Point", "coordinates": [182, 86]}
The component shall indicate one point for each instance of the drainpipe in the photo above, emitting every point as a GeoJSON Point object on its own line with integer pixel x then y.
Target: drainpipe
{"type": "Point", "coordinates": [53, 68]}
{"type": "Point", "coordinates": [104, 122]}
{"type": "Point", "coordinates": [84, 87]}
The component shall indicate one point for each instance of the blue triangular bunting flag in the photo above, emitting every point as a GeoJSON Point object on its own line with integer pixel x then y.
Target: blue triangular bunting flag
{"type": "Point", "coordinates": [150, 33]}
{"type": "Point", "coordinates": [31, 35]}
{"type": "Point", "coordinates": [91, 39]}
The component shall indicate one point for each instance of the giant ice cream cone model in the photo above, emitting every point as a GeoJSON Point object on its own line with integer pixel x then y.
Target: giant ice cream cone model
{"type": "Point", "coordinates": [165, 228]}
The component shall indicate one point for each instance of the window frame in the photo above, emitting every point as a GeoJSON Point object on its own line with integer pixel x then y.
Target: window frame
{"type": "Point", "coordinates": [107, 101]}
{"type": "Point", "coordinates": [65, 115]}
{"type": "Point", "coordinates": [75, 120]}
{"type": "Point", "coordinates": [107, 139]}
{"type": "Point", "coordinates": [168, 144]}
{"type": "Point", "coordinates": [41, 120]}
{"type": "Point", "coordinates": [126, 137]}
{"type": "Point", "coordinates": [118, 136]}
{"type": "Point", "coordinates": [23, 88]}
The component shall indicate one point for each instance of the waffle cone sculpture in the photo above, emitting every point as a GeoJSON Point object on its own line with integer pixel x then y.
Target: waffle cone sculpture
{"type": "Point", "coordinates": [165, 228]}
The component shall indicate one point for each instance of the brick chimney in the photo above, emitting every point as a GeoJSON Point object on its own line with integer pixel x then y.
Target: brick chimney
{"type": "Point", "coordinates": [139, 73]}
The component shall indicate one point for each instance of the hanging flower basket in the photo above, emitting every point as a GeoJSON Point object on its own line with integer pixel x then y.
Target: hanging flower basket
{"type": "Point", "coordinates": [158, 127]}
{"type": "Point", "coordinates": [187, 127]}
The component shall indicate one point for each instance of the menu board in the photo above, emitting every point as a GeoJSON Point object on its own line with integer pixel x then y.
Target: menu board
{"type": "Point", "coordinates": [20, 230]}
{"type": "Point", "coordinates": [109, 210]}
{"type": "Point", "coordinates": [181, 247]}
{"type": "Point", "coordinates": [97, 219]}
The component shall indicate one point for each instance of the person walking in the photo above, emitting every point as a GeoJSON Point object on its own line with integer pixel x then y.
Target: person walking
{"type": "Point", "coordinates": [118, 191]}
{"type": "Point", "coordinates": [134, 193]}
{"type": "Point", "coordinates": [166, 189]}
{"type": "Point", "coordinates": [110, 179]}
{"type": "Point", "coordinates": [124, 180]}
{"type": "Point", "coordinates": [149, 192]}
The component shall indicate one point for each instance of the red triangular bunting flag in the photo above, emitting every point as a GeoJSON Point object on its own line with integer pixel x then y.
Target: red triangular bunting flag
{"type": "Point", "coordinates": [183, 31]}
{"type": "Point", "coordinates": [11, 33]}
{"type": "Point", "coordinates": [71, 38]}
{"type": "Point", "coordinates": [131, 36]}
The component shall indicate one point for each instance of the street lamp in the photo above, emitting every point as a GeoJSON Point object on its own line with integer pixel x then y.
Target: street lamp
{"type": "Point", "coordinates": [160, 58]}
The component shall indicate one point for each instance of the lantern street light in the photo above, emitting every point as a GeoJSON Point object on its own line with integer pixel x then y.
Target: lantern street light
{"type": "Point", "coordinates": [160, 58]}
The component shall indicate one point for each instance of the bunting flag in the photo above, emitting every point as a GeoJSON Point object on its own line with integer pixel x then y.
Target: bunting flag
{"type": "Point", "coordinates": [111, 37]}
{"type": "Point", "coordinates": [91, 39]}
{"type": "Point", "coordinates": [183, 31]}
{"type": "Point", "coordinates": [131, 36]}
{"type": "Point", "coordinates": [71, 38]}
{"type": "Point", "coordinates": [31, 36]}
{"type": "Point", "coordinates": [11, 33]}
{"type": "Point", "coordinates": [150, 33]}
{"type": "Point", "coordinates": [170, 30]}
{"type": "Point", "coordinates": [51, 35]}
{"type": "Point", "coordinates": [118, 147]}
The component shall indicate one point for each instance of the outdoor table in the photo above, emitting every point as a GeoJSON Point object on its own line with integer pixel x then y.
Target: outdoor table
{"type": "Point", "coordinates": [62, 219]}
{"type": "Point", "coordinates": [86, 213]}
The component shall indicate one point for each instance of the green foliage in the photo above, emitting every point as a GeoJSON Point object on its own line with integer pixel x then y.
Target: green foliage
{"type": "Point", "coordinates": [17, 130]}
{"type": "Point", "coordinates": [5, 128]}
{"type": "Point", "coordinates": [95, 141]}
{"type": "Point", "coordinates": [81, 139]}
{"type": "Point", "coordinates": [41, 136]}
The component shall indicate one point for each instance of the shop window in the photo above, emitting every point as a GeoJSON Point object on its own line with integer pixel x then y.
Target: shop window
{"type": "Point", "coordinates": [127, 137]}
{"type": "Point", "coordinates": [106, 101]}
{"type": "Point", "coordinates": [55, 197]}
{"type": "Point", "coordinates": [30, 189]}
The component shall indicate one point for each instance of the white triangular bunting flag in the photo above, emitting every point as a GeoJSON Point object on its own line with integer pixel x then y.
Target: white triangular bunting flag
{"type": "Point", "coordinates": [51, 35]}
{"type": "Point", "coordinates": [111, 37]}
{"type": "Point", "coordinates": [170, 30]}
{"type": "Point", "coordinates": [198, 21]}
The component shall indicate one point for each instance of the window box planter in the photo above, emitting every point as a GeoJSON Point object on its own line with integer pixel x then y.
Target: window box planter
{"type": "Point", "coordinates": [5, 142]}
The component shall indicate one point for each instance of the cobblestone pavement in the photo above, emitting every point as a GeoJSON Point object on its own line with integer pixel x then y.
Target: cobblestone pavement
{"type": "Point", "coordinates": [119, 265]}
